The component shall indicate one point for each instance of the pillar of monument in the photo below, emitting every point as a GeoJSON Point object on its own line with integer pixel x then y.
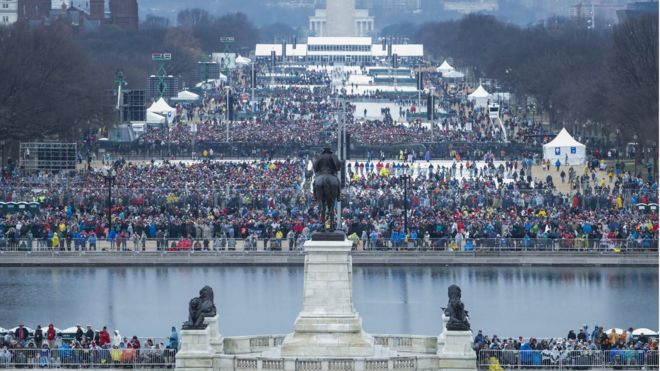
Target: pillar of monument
{"type": "Point", "coordinates": [328, 324]}
{"type": "Point", "coordinates": [340, 18]}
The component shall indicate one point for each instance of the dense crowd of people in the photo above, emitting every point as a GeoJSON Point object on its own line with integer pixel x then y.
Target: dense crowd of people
{"type": "Point", "coordinates": [51, 348]}
{"type": "Point", "coordinates": [303, 112]}
{"type": "Point", "coordinates": [454, 205]}
{"type": "Point", "coordinates": [583, 349]}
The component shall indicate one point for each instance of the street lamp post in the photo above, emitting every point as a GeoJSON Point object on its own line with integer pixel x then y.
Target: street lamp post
{"type": "Point", "coordinates": [2, 160]}
{"type": "Point", "coordinates": [228, 88]}
{"type": "Point", "coordinates": [406, 179]}
{"type": "Point", "coordinates": [636, 153]}
{"type": "Point", "coordinates": [432, 108]}
{"type": "Point", "coordinates": [110, 175]}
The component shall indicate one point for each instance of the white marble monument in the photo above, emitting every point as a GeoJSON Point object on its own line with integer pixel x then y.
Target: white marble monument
{"type": "Point", "coordinates": [196, 353]}
{"type": "Point", "coordinates": [328, 324]}
{"type": "Point", "coordinates": [455, 351]}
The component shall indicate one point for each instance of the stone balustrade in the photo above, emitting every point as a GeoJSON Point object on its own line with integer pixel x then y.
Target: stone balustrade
{"type": "Point", "coordinates": [251, 344]}
{"type": "Point", "coordinates": [399, 343]}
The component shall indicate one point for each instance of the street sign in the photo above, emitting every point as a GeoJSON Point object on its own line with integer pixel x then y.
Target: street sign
{"type": "Point", "coordinates": [227, 39]}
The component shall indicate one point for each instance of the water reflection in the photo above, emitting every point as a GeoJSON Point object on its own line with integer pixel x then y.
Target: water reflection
{"type": "Point", "coordinates": [509, 301]}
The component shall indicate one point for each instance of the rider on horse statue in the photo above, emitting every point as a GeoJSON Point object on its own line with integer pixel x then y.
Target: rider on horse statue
{"type": "Point", "coordinates": [327, 186]}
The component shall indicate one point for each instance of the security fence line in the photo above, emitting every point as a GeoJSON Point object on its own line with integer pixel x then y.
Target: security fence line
{"type": "Point", "coordinates": [87, 358]}
{"type": "Point", "coordinates": [395, 243]}
{"type": "Point", "coordinates": [494, 360]}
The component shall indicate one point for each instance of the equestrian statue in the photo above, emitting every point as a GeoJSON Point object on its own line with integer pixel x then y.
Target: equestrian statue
{"type": "Point", "coordinates": [327, 186]}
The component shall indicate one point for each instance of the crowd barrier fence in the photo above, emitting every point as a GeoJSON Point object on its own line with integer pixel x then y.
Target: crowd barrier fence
{"type": "Point", "coordinates": [575, 359]}
{"type": "Point", "coordinates": [87, 358]}
{"type": "Point", "coordinates": [380, 245]}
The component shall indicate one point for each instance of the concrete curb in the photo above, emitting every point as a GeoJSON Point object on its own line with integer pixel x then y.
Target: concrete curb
{"type": "Point", "coordinates": [567, 259]}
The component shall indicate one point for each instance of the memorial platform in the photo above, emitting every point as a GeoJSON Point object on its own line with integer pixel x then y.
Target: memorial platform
{"type": "Point", "coordinates": [327, 334]}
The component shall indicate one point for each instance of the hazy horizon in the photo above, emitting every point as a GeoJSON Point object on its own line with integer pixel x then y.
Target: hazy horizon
{"type": "Point", "coordinates": [295, 13]}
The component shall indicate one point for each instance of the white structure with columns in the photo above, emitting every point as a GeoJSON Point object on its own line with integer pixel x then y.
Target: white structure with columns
{"type": "Point", "coordinates": [341, 19]}
{"type": "Point", "coordinates": [8, 12]}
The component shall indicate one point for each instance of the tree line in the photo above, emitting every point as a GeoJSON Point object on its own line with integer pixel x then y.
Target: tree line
{"type": "Point", "coordinates": [56, 83]}
{"type": "Point", "coordinates": [605, 76]}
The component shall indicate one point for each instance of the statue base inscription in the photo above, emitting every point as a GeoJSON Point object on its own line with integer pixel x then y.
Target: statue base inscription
{"type": "Point", "coordinates": [328, 236]}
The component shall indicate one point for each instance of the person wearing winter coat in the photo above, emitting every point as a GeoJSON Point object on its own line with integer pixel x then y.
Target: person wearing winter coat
{"type": "Point", "coordinates": [116, 339]}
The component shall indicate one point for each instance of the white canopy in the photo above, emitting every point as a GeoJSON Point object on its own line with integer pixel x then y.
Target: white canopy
{"type": "Point", "coordinates": [453, 75]}
{"type": "Point", "coordinates": [565, 149]}
{"type": "Point", "coordinates": [480, 97]}
{"type": "Point", "coordinates": [211, 83]}
{"type": "Point", "coordinates": [444, 68]}
{"type": "Point", "coordinates": [155, 118]}
{"type": "Point", "coordinates": [480, 92]}
{"type": "Point", "coordinates": [187, 95]}
{"type": "Point", "coordinates": [71, 330]}
{"type": "Point", "coordinates": [243, 60]}
{"type": "Point", "coordinates": [161, 107]}
{"type": "Point", "coordinates": [645, 331]}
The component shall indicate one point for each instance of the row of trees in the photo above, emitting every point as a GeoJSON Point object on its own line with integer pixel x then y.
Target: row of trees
{"type": "Point", "coordinates": [56, 83]}
{"type": "Point", "coordinates": [607, 76]}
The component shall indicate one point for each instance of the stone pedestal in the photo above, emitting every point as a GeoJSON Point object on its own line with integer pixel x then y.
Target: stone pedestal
{"type": "Point", "coordinates": [196, 353]}
{"type": "Point", "coordinates": [328, 324]}
{"type": "Point", "coordinates": [441, 337]}
{"type": "Point", "coordinates": [456, 354]}
{"type": "Point", "coordinates": [215, 339]}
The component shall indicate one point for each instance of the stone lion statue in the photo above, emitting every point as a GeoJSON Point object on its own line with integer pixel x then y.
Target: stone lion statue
{"type": "Point", "coordinates": [458, 316]}
{"type": "Point", "coordinates": [200, 307]}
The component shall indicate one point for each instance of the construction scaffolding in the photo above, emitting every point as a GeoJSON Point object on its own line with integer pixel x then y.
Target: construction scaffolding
{"type": "Point", "coordinates": [47, 156]}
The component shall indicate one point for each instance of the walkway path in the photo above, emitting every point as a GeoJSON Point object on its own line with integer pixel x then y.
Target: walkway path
{"type": "Point", "coordinates": [536, 258]}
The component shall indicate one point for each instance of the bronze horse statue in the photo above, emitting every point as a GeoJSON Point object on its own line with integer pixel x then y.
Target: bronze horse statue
{"type": "Point", "coordinates": [327, 187]}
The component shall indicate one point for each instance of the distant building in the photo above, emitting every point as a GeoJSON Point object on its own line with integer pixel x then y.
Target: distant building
{"type": "Point", "coordinates": [395, 5]}
{"type": "Point", "coordinates": [33, 9]}
{"type": "Point", "coordinates": [339, 49]}
{"type": "Point", "coordinates": [8, 12]}
{"type": "Point", "coordinates": [637, 9]}
{"type": "Point", "coordinates": [470, 6]}
{"type": "Point", "coordinates": [341, 19]}
{"type": "Point", "coordinates": [82, 15]}
{"type": "Point", "coordinates": [124, 14]}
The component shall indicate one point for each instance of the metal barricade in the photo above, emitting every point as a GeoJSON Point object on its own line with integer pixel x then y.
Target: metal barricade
{"type": "Point", "coordinates": [87, 358]}
{"type": "Point", "coordinates": [617, 359]}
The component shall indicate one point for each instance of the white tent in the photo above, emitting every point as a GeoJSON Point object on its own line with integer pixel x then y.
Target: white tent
{"type": "Point", "coordinates": [645, 331]}
{"type": "Point", "coordinates": [564, 147]}
{"type": "Point", "coordinates": [155, 118]}
{"type": "Point", "coordinates": [444, 68]}
{"type": "Point", "coordinates": [480, 97]}
{"type": "Point", "coordinates": [187, 96]}
{"type": "Point", "coordinates": [161, 107]}
{"type": "Point", "coordinates": [211, 84]}
{"type": "Point", "coordinates": [243, 60]}
{"type": "Point", "coordinates": [453, 75]}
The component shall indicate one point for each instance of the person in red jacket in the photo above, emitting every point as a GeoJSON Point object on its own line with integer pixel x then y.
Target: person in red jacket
{"type": "Point", "coordinates": [104, 337]}
{"type": "Point", "coordinates": [50, 336]}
